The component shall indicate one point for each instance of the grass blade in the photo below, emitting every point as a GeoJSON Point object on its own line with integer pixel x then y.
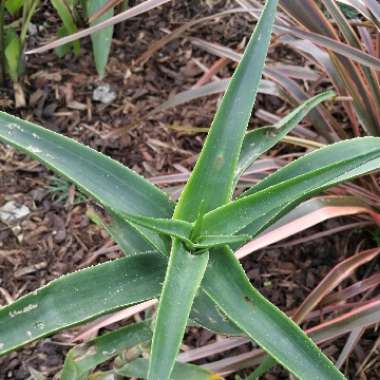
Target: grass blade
{"type": "Point", "coordinates": [129, 13]}
{"type": "Point", "coordinates": [64, 13]}
{"type": "Point", "coordinates": [217, 87]}
{"type": "Point", "coordinates": [345, 50]}
{"type": "Point", "coordinates": [102, 39]}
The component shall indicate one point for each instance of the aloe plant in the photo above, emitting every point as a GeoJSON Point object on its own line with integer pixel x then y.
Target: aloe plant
{"type": "Point", "coordinates": [183, 253]}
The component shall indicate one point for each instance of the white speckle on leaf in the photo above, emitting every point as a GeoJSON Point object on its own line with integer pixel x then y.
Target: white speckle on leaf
{"type": "Point", "coordinates": [33, 149]}
{"type": "Point", "coordinates": [1, 346]}
{"type": "Point", "coordinates": [14, 126]}
{"type": "Point", "coordinates": [39, 325]}
{"type": "Point", "coordinates": [26, 309]}
{"type": "Point", "coordinates": [107, 353]}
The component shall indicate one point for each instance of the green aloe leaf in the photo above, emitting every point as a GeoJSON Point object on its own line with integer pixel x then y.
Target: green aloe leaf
{"type": "Point", "coordinates": [182, 230]}
{"type": "Point", "coordinates": [206, 314]}
{"type": "Point", "coordinates": [181, 371]}
{"type": "Point", "coordinates": [170, 227]}
{"type": "Point", "coordinates": [262, 321]}
{"type": "Point", "coordinates": [80, 296]}
{"type": "Point", "coordinates": [102, 39]}
{"type": "Point", "coordinates": [215, 168]}
{"type": "Point", "coordinates": [183, 278]}
{"type": "Point", "coordinates": [289, 186]}
{"type": "Point", "coordinates": [83, 358]}
{"type": "Point", "coordinates": [130, 193]}
{"type": "Point", "coordinates": [209, 241]}
{"type": "Point", "coordinates": [262, 139]}
{"type": "Point", "coordinates": [130, 240]}
{"type": "Point", "coordinates": [204, 311]}
{"type": "Point", "coordinates": [90, 170]}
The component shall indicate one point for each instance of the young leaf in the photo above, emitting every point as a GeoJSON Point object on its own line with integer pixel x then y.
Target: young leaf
{"type": "Point", "coordinates": [262, 321]}
{"type": "Point", "coordinates": [338, 162]}
{"type": "Point", "coordinates": [12, 54]}
{"type": "Point", "coordinates": [13, 5]}
{"type": "Point", "coordinates": [102, 39]}
{"type": "Point", "coordinates": [182, 280]}
{"type": "Point", "coordinates": [171, 227]}
{"type": "Point", "coordinates": [65, 15]}
{"type": "Point", "coordinates": [210, 241]}
{"type": "Point", "coordinates": [182, 230]}
{"type": "Point", "coordinates": [181, 371]}
{"type": "Point", "coordinates": [81, 359]}
{"type": "Point", "coordinates": [211, 182]}
{"type": "Point", "coordinates": [80, 296]}
{"type": "Point", "coordinates": [260, 140]}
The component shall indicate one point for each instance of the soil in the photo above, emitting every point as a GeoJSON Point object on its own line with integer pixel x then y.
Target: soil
{"type": "Point", "coordinates": [57, 237]}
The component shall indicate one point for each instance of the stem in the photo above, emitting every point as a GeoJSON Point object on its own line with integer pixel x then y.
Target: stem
{"type": "Point", "coordinates": [2, 43]}
{"type": "Point", "coordinates": [27, 16]}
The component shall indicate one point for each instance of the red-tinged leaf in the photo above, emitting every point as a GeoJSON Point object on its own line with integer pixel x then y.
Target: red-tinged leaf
{"type": "Point", "coordinates": [306, 215]}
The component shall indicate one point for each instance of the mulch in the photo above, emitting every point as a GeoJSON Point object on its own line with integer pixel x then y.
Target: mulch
{"type": "Point", "coordinates": [57, 237]}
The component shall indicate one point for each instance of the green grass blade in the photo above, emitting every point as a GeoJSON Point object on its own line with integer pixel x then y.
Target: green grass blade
{"type": "Point", "coordinates": [215, 168]}
{"type": "Point", "coordinates": [183, 278]}
{"type": "Point", "coordinates": [67, 19]}
{"type": "Point", "coordinates": [83, 358]}
{"type": "Point", "coordinates": [181, 371]}
{"type": "Point", "coordinates": [102, 39]}
{"type": "Point", "coordinates": [262, 321]}
{"type": "Point", "coordinates": [260, 140]}
{"type": "Point", "coordinates": [305, 177]}
{"type": "Point", "coordinates": [80, 296]}
{"type": "Point", "coordinates": [12, 54]}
